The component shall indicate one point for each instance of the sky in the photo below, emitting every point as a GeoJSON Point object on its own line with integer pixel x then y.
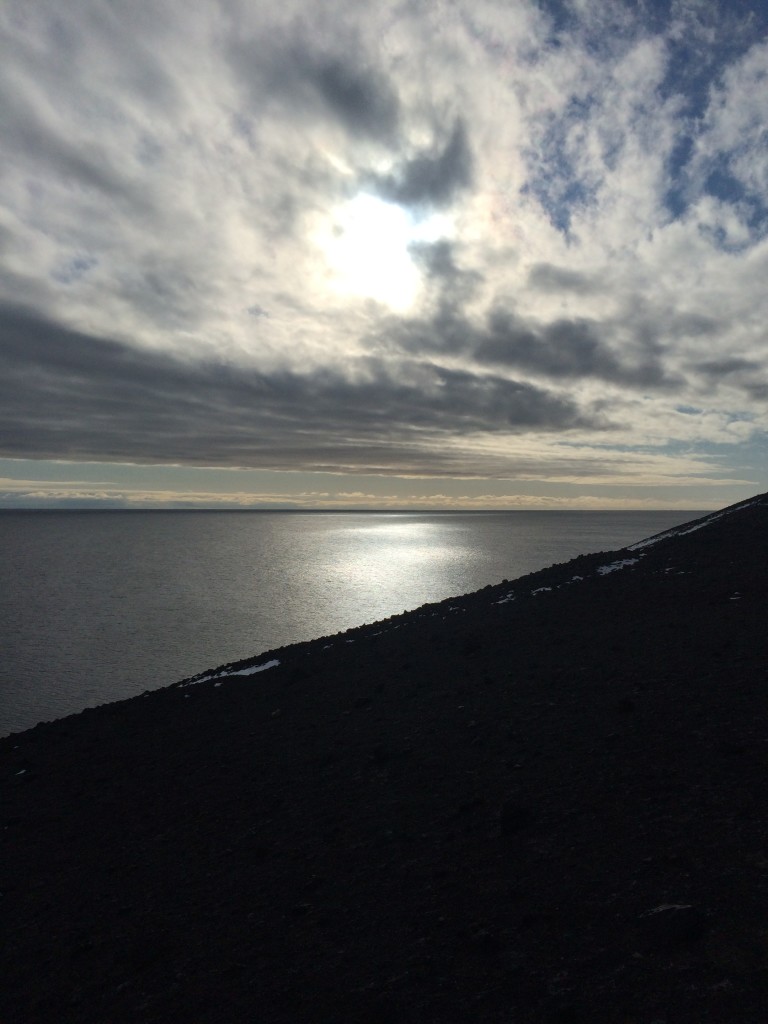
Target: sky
{"type": "Point", "coordinates": [420, 254]}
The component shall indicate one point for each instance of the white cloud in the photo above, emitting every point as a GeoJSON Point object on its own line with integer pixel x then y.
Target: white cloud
{"type": "Point", "coordinates": [734, 127]}
{"type": "Point", "coordinates": [169, 169]}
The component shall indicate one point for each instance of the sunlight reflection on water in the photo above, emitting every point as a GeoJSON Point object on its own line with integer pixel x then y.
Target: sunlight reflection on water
{"type": "Point", "coordinates": [98, 606]}
{"type": "Point", "coordinates": [384, 564]}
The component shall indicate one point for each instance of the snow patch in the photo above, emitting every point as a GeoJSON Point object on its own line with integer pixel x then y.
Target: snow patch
{"type": "Point", "coordinates": [613, 566]}
{"type": "Point", "coordinates": [682, 531]}
{"type": "Point", "coordinates": [250, 671]}
{"type": "Point", "coordinates": [254, 669]}
{"type": "Point", "coordinates": [667, 906]}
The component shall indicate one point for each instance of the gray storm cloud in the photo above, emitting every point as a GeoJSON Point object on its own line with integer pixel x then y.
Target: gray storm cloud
{"type": "Point", "coordinates": [68, 395]}
{"type": "Point", "coordinates": [338, 84]}
{"type": "Point", "coordinates": [433, 178]}
{"type": "Point", "coordinates": [565, 349]}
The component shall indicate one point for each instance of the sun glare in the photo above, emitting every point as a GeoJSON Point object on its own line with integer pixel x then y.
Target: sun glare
{"type": "Point", "coordinates": [367, 250]}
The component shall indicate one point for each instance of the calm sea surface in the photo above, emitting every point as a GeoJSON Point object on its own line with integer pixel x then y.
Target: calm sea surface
{"type": "Point", "coordinates": [98, 606]}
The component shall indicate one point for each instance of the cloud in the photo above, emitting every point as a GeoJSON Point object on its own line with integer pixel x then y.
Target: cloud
{"type": "Point", "coordinates": [432, 178]}
{"type": "Point", "coordinates": [341, 83]}
{"type": "Point", "coordinates": [361, 99]}
{"type": "Point", "coordinates": [547, 278]}
{"type": "Point", "coordinates": [730, 158]}
{"type": "Point", "coordinates": [565, 349]}
{"type": "Point", "coordinates": [582, 210]}
{"type": "Point", "coordinates": [456, 285]}
{"type": "Point", "coordinates": [29, 494]}
{"type": "Point", "coordinates": [68, 395]}
{"type": "Point", "coordinates": [724, 367]}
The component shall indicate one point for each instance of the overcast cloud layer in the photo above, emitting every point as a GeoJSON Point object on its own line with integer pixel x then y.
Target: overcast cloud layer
{"type": "Point", "coordinates": [491, 242]}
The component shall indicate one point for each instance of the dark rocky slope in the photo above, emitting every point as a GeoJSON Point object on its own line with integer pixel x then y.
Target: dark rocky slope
{"type": "Point", "coordinates": [549, 807]}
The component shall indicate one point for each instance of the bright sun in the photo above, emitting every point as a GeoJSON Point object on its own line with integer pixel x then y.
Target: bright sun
{"type": "Point", "coordinates": [367, 250]}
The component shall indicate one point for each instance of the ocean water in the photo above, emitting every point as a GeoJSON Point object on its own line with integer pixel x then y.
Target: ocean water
{"type": "Point", "coordinates": [99, 606]}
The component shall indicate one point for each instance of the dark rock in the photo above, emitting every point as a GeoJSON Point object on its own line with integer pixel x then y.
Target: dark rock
{"type": "Point", "coordinates": [672, 924]}
{"type": "Point", "coordinates": [514, 816]}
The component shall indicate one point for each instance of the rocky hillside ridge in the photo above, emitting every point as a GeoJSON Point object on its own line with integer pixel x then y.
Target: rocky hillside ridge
{"type": "Point", "coordinates": [542, 802]}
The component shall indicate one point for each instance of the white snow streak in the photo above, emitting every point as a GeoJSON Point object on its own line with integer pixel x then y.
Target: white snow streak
{"type": "Point", "coordinates": [250, 671]}
{"type": "Point", "coordinates": [678, 532]}
{"type": "Point", "coordinates": [253, 669]}
{"type": "Point", "coordinates": [613, 566]}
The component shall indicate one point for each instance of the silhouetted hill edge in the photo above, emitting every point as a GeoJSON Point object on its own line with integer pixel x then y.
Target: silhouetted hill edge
{"type": "Point", "coordinates": [541, 802]}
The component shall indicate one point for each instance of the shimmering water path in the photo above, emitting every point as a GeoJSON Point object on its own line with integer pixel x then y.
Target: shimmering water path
{"type": "Point", "coordinates": [98, 606]}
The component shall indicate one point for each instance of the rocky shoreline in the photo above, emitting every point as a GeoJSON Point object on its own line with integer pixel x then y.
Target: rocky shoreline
{"type": "Point", "coordinates": [543, 802]}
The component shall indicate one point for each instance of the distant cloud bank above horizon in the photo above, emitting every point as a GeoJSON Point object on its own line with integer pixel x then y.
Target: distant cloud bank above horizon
{"type": "Point", "coordinates": [424, 254]}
